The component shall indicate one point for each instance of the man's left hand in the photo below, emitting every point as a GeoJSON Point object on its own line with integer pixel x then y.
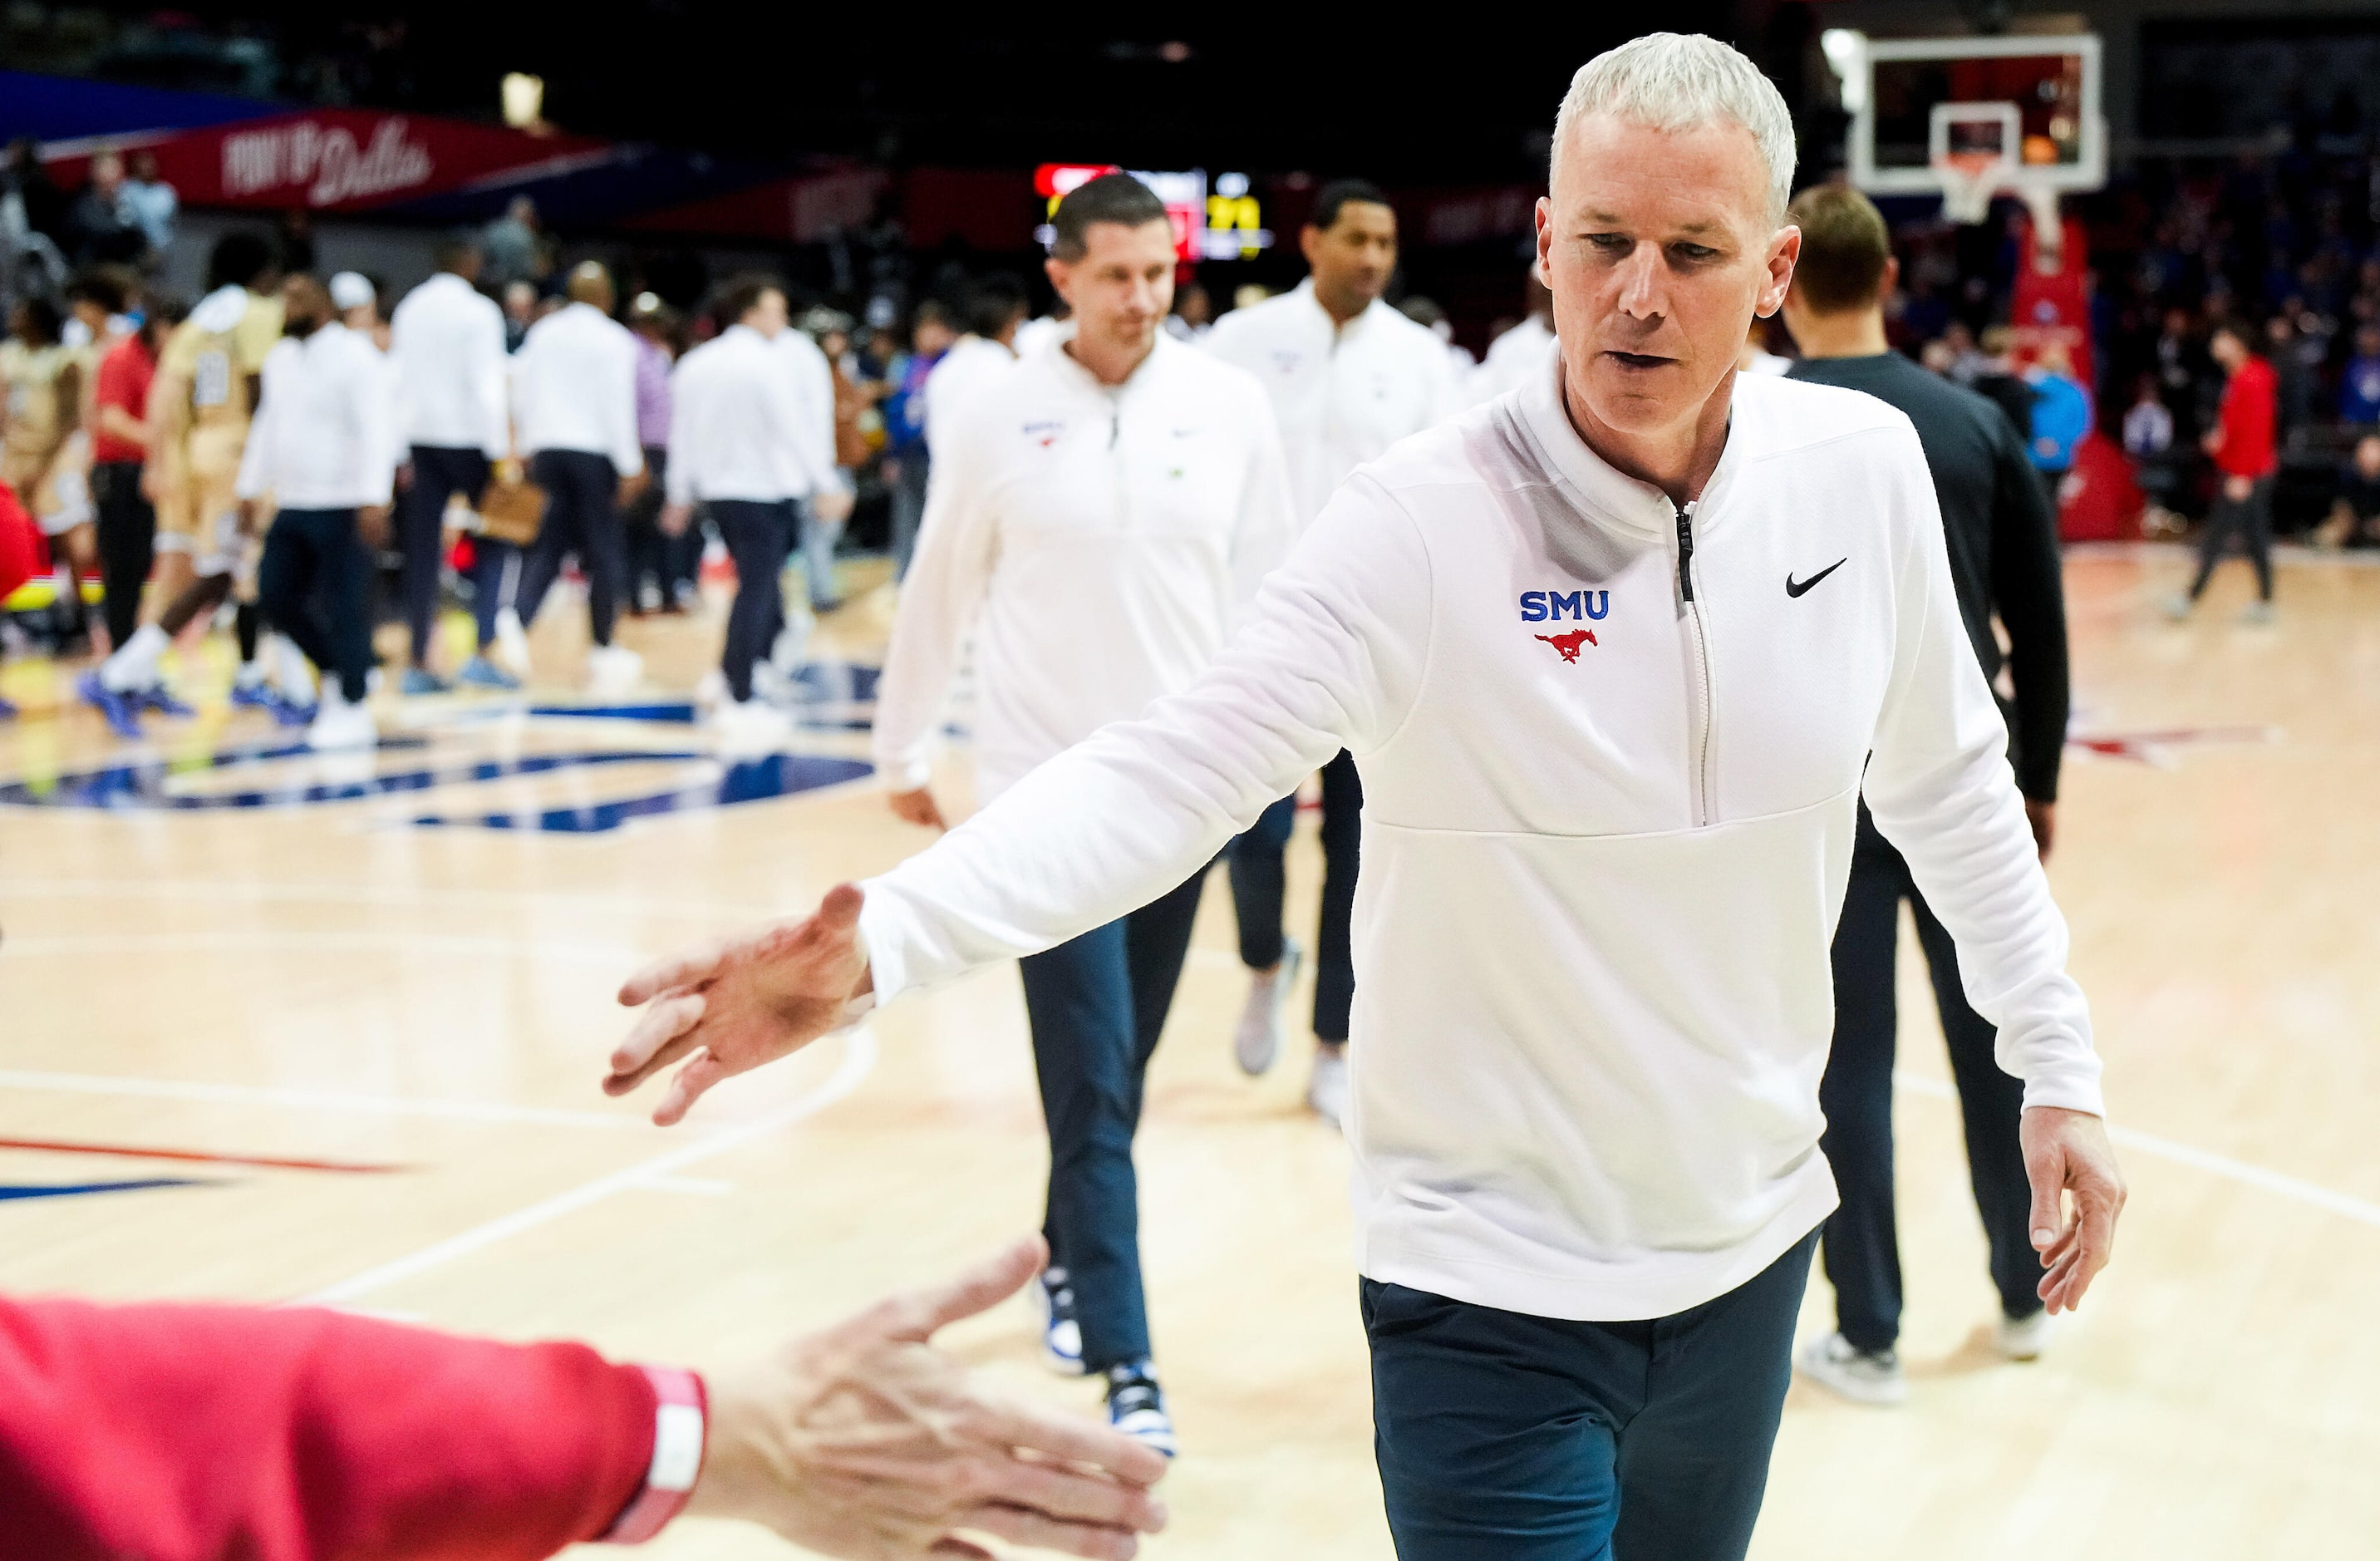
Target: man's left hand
{"type": "Point", "coordinates": [2043, 817]}
{"type": "Point", "coordinates": [629, 488]}
{"type": "Point", "coordinates": [2068, 1153]}
{"type": "Point", "coordinates": [371, 525]}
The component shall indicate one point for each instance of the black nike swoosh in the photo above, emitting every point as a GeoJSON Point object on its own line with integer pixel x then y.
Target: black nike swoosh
{"type": "Point", "coordinates": [1795, 587]}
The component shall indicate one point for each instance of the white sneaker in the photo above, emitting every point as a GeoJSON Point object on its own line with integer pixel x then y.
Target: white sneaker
{"type": "Point", "coordinates": [2024, 1338]}
{"type": "Point", "coordinates": [340, 727]}
{"type": "Point", "coordinates": [710, 690]}
{"type": "Point", "coordinates": [793, 642]}
{"type": "Point", "coordinates": [750, 726]}
{"type": "Point", "coordinates": [2257, 612]}
{"type": "Point", "coordinates": [1325, 1092]}
{"type": "Point", "coordinates": [2176, 607]}
{"type": "Point", "coordinates": [1835, 1364]}
{"type": "Point", "coordinates": [511, 649]}
{"type": "Point", "coordinates": [1257, 1044]}
{"type": "Point", "coordinates": [613, 670]}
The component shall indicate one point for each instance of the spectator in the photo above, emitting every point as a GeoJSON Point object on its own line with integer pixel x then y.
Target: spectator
{"type": "Point", "coordinates": [2148, 440]}
{"type": "Point", "coordinates": [2061, 412]}
{"type": "Point", "coordinates": [661, 569]}
{"type": "Point", "coordinates": [1995, 375]}
{"type": "Point", "coordinates": [510, 245]}
{"type": "Point", "coordinates": [295, 241]}
{"type": "Point", "coordinates": [520, 313]}
{"type": "Point", "coordinates": [907, 459]}
{"type": "Point", "coordinates": [153, 203]}
{"type": "Point", "coordinates": [24, 180]}
{"type": "Point", "coordinates": [1194, 312]}
{"type": "Point", "coordinates": [2242, 445]}
{"type": "Point", "coordinates": [2293, 379]}
{"type": "Point", "coordinates": [2359, 385]}
{"type": "Point", "coordinates": [103, 226]}
{"type": "Point", "coordinates": [2357, 514]}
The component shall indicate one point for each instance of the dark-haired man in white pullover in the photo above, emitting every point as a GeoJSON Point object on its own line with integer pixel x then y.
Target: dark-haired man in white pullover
{"type": "Point", "coordinates": [1618, 654]}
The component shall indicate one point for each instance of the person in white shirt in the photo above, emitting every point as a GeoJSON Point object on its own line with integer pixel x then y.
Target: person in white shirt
{"type": "Point", "coordinates": [826, 503]}
{"type": "Point", "coordinates": [1620, 653]}
{"type": "Point", "coordinates": [741, 444]}
{"type": "Point", "coordinates": [1098, 518]}
{"type": "Point", "coordinates": [995, 312]}
{"type": "Point", "coordinates": [1349, 376]}
{"type": "Point", "coordinates": [576, 382]}
{"type": "Point", "coordinates": [447, 339]}
{"type": "Point", "coordinates": [325, 448]}
{"type": "Point", "coordinates": [1514, 358]}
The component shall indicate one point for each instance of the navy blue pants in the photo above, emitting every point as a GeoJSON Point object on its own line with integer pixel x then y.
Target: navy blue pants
{"type": "Point", "coordinates": [582, 515]}
{"type": "Point", "coordinates": [1862, 1244]}
{"type": "Point", "coordinates": [439, 472]}
{"type": "Point", "coordinates": [1097, 1006]}
{"type": "Point", "coordinates": [1259, 882]}
{"type": "Point", "coordinates": [1506, 1437]}
{"type": "Point", "coordinates": [759, 537]}
{"type": "Point", "coordinates": [315, 585]}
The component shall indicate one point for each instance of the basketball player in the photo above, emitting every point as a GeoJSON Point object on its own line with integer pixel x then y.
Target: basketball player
{"type": "Point", "coordinates": [327, 1435]}
{"type": "Point", "coordinates": [44, 451]}
{"type": "Point", "coordinates": [576, 385]}
{"type": "Point", "coordinates": [744, 440]}
{"type": "Point", "coordinates": [448, 340]}
{"type": "Point", "coordinates": [325, 448]}
{"type": "Point", "coordinates": [1348, 376]}
{"type": "Point", "coordinates": [1100, 514]}
{"type": "Point", "coordinates": [1604, 851]}
{"type": "Point", "coordinates": [199, 408]}
{"type": "Point", "coordinates": [2002, 539]}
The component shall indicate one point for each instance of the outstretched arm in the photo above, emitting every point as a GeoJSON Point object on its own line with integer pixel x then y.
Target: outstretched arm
{"type": "Point", "coordinates": [1330, 657]}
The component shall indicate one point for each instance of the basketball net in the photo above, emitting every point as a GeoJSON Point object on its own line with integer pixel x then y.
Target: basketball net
{"type": "Point", "coordinates": [1970, 179]}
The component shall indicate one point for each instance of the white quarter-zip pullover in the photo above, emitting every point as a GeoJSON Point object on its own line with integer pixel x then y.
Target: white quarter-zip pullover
{"type": "Point", "coordinates": [813, 381]}
{"type": "Point", "coordinates": [1611, 759]}
{"type": "Point", "coordinates": [1101, 543]}
{"type": "Point", "coordinates": [1344, 393]}
{"type": "Point", "coordinates": [970, 364]}
{"type": "Point", "coordinates": [576, 380]}
{"type": "Point", "coordinates": [737, 422]}
{"type": "Point", "coordinates": [326, 431]}
{"type": "Point", "coordinates": [448, 343]}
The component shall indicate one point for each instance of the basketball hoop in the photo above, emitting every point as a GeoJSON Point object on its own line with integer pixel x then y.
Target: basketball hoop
{"type": "Point", "coordinates": [1970, 179]}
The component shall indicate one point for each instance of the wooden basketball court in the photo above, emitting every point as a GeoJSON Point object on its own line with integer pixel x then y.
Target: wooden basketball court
{"type": "Point", "coordinates": [352, 1013]}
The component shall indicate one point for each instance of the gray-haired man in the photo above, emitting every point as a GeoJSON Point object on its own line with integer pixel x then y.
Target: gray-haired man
{"type": "Point", "coordinates": [1618, 655]}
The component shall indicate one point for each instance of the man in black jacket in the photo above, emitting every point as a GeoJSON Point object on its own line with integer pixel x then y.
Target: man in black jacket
{"type": "Point", "coordinates": [2003, 546]}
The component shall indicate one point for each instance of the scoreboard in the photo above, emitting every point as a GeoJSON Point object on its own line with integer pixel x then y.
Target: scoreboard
{"type": "Point", "coordinates": [1216, 221]}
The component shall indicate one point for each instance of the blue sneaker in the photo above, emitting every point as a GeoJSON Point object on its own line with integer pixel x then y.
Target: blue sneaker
{"type": "Point", "coordinates": [481, 673]}
{"type": "Point", "coordinates": [254, 695]}
{"type": "Point", "coordinates": [159, 698]}
{"type": "Point", "coordinates": [421, 681]}
{"type": "Point", "coordinates": [121, 711]}
{"type": "Point", "coordinates": [1136, 1407]}
{"type": "Point", "coordinates": [288, 711]}
{"type": "Point", "coordinates": [1061, 1335]}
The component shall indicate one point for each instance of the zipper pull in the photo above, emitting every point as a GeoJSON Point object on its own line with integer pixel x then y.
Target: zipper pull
{"type": "Point", "coordinates": [1685, 553]}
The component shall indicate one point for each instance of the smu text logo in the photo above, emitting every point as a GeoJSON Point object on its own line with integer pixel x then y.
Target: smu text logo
{"type": "Point", "coordinates": [1540, 606]}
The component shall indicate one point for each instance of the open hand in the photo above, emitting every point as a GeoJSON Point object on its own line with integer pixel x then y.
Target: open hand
{"type": "Point", "coordinates": [2067, 1152]}
{"type": "Point", "coordinates": [736, 1003]}
{"type": "Point", "coordinates": [864, 1441]}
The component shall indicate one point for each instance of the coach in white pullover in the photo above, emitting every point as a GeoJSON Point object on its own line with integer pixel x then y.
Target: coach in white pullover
{"type": "Point", "coordinates": [1348, 376]}
{"type": "Point", "coordinates": [1614, 653]}
{"type": "Point", "coordinates": [1098, 516]}
{"type": "Point", "coordinates": [576, 385]}
{"type": "Point", "coordinates": [447, 339]}
{"type": "Point", "coordinates": [324, 449]}
{"type": "Point", "coordinates": [748, 441]}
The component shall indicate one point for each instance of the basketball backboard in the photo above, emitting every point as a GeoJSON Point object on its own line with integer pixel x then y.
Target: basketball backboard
{"type": "Point", "coordinates": [1922, 107]}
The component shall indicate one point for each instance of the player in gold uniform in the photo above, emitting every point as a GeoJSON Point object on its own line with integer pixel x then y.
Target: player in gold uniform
{"type": "Point", "coordinates": [44, 452]}
{"type": "Point", "coordinates": [199, 408]}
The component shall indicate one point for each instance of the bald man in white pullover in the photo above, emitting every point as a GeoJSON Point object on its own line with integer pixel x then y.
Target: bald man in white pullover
{"type": "Point", "coordinates": [1618, 654]}
{"type": "Point", "coordinates": [1099, 513]}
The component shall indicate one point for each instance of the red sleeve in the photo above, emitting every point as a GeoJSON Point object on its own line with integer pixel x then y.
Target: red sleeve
{"type": "Point", "coordinates": [2248, 414]}
{"type": "Point", "coordinates": [204, 1434]}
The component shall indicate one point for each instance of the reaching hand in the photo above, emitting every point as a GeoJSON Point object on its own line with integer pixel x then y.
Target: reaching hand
{"type": "Point", "coordinates": [736, 1003]}
{"type": "Point", "coordinates": [864, 1441]}
{"type": "Point", "coordinates": [916, 807]}
{"type": "Point", "coordinates": [2067, 1152]}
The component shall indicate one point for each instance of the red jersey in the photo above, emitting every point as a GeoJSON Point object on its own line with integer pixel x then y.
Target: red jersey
{"type": "Point", "coordinates": [2250, 408]}
{"type": "Point", "coordinates": [123, 381]}
{"type": "Point", "coordinates": [194, 1433]}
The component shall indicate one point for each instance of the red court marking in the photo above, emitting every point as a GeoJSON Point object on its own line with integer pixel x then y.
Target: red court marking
{"type": "Point", "coordinates": [57, 1146]}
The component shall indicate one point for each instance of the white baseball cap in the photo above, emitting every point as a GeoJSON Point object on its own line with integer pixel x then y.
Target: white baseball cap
{"type": "Point", "coordinates": [352, 289]}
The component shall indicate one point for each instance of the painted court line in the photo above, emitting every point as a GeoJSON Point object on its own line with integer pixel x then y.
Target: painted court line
{"type": "Point", "coordinates": [858, 1057]}
{"type": "Point", "coordinates": [310, 1100]}
{"type": "Point", "coordinates": [2222, 1166]}
{"type": "Point", "coordinates": [134, 1151]}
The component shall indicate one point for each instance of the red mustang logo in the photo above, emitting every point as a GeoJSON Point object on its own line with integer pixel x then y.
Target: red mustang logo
{"type": "Point", "coordinates": [1568, 644]}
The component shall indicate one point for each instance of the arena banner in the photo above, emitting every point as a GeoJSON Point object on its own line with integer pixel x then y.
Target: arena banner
{"type": "Point", "coordinates": [338, 159]}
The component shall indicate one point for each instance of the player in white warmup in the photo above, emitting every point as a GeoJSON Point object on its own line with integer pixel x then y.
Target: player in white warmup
{"type": "Point", "coordinates": [1612, 760]}
{"type": "Point", "coordinates": [1349, 376]}
{"type": "Point", "coordinates": [1100, 515]}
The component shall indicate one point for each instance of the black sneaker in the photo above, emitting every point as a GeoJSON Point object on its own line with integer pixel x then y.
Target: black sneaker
{"type": "Point", "coordinates": [1136, 1405]}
